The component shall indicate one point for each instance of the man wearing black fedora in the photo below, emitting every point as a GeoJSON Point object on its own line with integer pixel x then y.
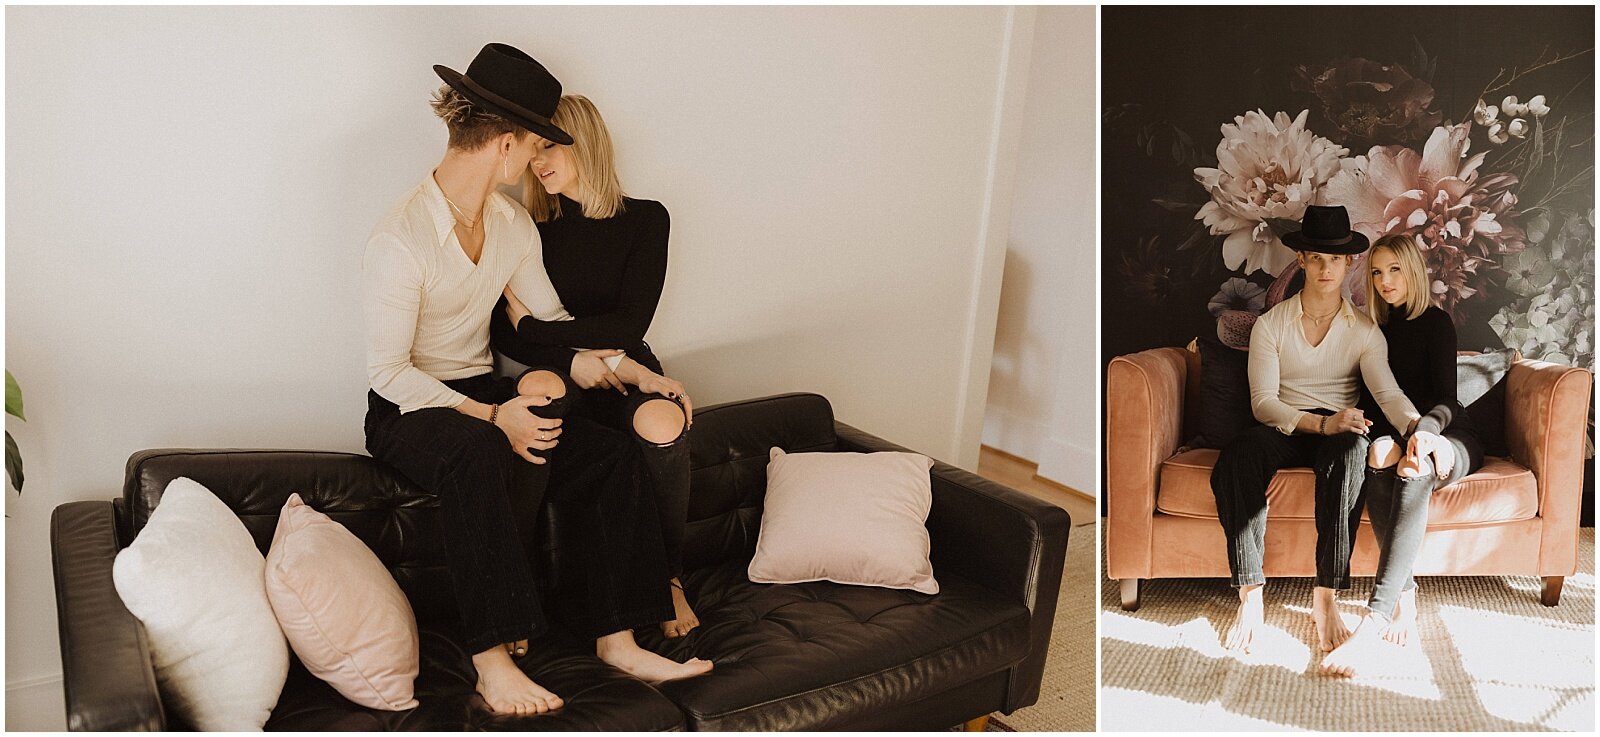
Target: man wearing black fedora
{"type": "Point", "coordinates": [434, 269]}
{"type": "Point", "coordinates": [1309, 356]}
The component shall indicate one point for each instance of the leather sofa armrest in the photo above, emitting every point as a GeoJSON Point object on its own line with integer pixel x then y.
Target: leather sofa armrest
{"type": "Point", "coordinates": [107, 671]}
{"type": "Point", "coordinates": [996, 536]}
{"type": "Point", "coordinates": [1144, 426]}
{"type": "Point", "coordinates": [1547, 408]}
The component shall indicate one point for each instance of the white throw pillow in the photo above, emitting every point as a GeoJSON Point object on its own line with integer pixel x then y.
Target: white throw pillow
{"type": "Point", "coordinates": [195, 579]}
{"type": "Point", "coordinates": [851, 518]}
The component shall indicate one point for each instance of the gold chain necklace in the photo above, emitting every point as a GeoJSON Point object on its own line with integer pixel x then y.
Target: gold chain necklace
{"type": "Point", "coordinates": [471, 222]}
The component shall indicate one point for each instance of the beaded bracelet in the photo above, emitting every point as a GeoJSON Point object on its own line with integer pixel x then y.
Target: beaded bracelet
{"type": "Point", "coordinates": [1322, 426]}
{"type": "Point", "coordinates": [494, 412]}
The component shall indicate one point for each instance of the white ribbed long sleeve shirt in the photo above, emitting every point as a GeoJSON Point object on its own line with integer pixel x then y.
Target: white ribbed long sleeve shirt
{"type": "Point", "coordinates": [1288, 375]}
{"type": "Point", "coordinates": [427, 306]}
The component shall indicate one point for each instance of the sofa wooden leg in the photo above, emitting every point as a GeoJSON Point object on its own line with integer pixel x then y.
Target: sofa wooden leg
{"type": "Point", "coordinates": [1551, 595]}
{"type": "Point", "coordinates": [1130, 594]}
{"type": "Point", "coordinates": [976, 725]}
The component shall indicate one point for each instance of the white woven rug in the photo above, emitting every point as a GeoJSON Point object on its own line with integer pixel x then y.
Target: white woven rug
{"type": "Point", "coordinates": [1490, 657]}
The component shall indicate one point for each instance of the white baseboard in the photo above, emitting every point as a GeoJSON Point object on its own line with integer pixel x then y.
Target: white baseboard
{"type": "Point", "coordinates": [1069, 465]}
{"type": "Point", "coordinates": [36, 705]}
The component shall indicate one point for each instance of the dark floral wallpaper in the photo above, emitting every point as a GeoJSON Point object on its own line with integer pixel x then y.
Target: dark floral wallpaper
{"type": "Point", "coordinates": [1469, 128]}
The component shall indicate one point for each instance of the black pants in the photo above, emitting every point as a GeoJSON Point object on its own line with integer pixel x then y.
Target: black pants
{"type": "Point", "coordinates": [1239, 482]}
{"type": "Point", "coordinates": [1398, 507]}
{"type": "Point", "coordinates": [668, 463]}
{"type": "Point", "coordinates": [484, 487]}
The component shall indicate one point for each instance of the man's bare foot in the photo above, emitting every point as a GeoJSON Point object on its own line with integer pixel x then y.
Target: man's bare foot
{"type": "Point", "coordinates": [1250, 617]}
{"type": "Point", "coordinates": [619, 650]}
{"type": "Point", "coordinates": [1405, 619]}
{"type": "Point", "coordinates": [1360, 652]}
{"type": "Point", "coordinates": [1331, 629]}
{"type": "Point", "coordinates": [506, 689]}
{"type": "Point", "coordinates": [684, 619]}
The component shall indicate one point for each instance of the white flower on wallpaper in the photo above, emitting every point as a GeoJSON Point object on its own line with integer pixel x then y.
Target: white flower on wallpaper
{"type": "Point", "coordinates": [1267, 167]}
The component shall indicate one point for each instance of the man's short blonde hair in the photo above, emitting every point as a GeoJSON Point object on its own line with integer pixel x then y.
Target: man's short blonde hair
{"type": "Point", "coordinates": [592, 155]}
{"type": "Point", "coordinates": [470, 125]}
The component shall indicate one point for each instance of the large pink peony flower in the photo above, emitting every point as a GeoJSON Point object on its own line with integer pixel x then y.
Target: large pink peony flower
{"type": "Point", "coordinates": [1266, 168]}
{"type": "Point", "coordinates": [1461, 222]}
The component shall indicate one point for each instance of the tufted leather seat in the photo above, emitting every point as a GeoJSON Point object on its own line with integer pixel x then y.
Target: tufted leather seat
{"type": "Point", "coordinates": [806, 656]}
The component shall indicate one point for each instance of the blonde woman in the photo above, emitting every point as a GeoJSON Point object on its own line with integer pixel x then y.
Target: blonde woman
{"type": "Point", "coordinates": [1402, 474]}
{"type": "Point", "coordinates": [606, 255]}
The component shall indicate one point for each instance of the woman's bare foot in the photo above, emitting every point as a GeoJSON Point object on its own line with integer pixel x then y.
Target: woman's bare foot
{"type": "Point", "coordinates": [684, 619]}
{"type": "Point", "coordinates": [1405, 619]}
{"type": "Point", "coordinates": [1331, 629]}
{"type": "Point", "coordinates": [1250, 617]}
{"type": "Point", "coordinates": [506, 689]}
{"type": "Point", "coordinates": [619, 650]}
{"type": "Point", "coordinates": [1358, 653]}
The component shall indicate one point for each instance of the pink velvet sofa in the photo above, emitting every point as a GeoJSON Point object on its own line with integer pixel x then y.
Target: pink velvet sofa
{"type": "Point", "coordinates": [1516, 516]}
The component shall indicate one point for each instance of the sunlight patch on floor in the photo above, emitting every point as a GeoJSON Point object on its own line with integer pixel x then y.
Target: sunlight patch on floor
{"type": "Point", "coordinates": [1139, 711]}
{"type": "Point", "coordinates": [1519, 652]}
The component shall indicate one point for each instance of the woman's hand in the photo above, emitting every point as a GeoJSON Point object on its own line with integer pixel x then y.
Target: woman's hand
{"type": "Point", "coordinates": [589, 370]}
{"type": "Point", "coordinates": [515, 309]}
{"type": "Point", "coordinates": [1350, 420]}
{"type": "Point", "coordinates": [1430, 445]}
{"type": "Point", "coordinates": [654, 383]}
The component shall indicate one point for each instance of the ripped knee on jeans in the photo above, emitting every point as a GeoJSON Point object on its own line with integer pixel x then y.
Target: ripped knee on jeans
{"type": "Point", "coordinates": [542, 383]}
{"type": "Point", "coordinates": [659, 422]}
{"type": "Point", "coordinates": [1384, 453]}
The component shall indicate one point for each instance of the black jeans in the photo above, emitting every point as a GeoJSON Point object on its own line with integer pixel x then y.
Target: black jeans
{"type": "Point", "coordinates": [485, 489]}
{"type": "Point", "coordinates": [1239, 482]}
{"type": "Point", "coordinates": [668, 463]}
{"type": "Point", "coordinates": [1398, 507]}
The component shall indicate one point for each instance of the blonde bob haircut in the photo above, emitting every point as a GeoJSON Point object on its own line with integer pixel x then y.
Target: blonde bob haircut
{"type": "Point", "coordinates": [1405, 250]}
{"type": "Point", "coordinates": [592, 156]}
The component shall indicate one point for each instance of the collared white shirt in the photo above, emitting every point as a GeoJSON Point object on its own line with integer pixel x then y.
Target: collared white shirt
{"type": "Point", "coordinates": [428, 306]}
{"type": "Point", "coordinates": [1288, 375]}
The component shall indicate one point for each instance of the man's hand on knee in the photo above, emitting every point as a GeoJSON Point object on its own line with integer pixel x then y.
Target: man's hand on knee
{"type": "Point", "coordinates": [526, 431]}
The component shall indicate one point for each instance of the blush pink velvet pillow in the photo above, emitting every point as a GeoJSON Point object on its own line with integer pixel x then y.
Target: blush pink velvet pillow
{"type": "Point", "coordinates": [343, 613]}
{"type": "Point", "coordinates": [851, 518]}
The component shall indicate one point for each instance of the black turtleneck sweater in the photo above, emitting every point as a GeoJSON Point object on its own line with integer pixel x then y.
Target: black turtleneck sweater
{"type": "Point", "coordinates": [1422, 355]}
{"type": "Point", "coordinates": [609, 273]}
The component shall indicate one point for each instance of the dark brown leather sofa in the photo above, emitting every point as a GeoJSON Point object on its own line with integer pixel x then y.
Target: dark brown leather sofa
{"type": "Point", "coordinates": [789, 657]}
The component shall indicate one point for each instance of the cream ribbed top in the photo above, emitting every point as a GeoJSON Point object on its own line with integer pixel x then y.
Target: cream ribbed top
{"type": "Point", "coordinates": [1288, 375]}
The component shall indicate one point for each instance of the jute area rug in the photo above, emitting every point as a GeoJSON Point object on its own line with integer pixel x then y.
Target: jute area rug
{"type": "Point", "coordinates": [1066, 697]}
{"type": "Point", "coordinates": [1490, 657]}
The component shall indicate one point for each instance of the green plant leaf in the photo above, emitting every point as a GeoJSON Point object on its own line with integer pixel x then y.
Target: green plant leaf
{"type": "Point", "coordinates": [13, 399]}
{"type": "Point", "coordinates": [13, 463]}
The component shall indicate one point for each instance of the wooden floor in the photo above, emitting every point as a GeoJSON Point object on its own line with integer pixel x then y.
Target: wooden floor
{"type": "Point", "coordinates": [1022, 475]}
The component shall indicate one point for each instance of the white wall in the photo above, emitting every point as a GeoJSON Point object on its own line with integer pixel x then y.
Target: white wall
{"type": "Point", "coordinates": [188, 191]}
{"type": "Point", "coordinates": [1041, 400]}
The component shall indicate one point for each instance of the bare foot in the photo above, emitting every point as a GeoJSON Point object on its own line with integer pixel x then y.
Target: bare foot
{"type": "Point", "coordinates": [1405, 619]}
{"type": "Point", "coordinates": [1250, 617]}
{"type": "Point", "coordinates": [1358, 653]}
{"type": "Point", "coordinates": [619, 650]}
{"type": "Point", "coordinates": [506, 689]}
{"type": "Point", "coordinates": [1331, 629]}
{"type": "Point", "coordinates": [517, 649]}
{"type": "Point", "coordinates": [684, 618]}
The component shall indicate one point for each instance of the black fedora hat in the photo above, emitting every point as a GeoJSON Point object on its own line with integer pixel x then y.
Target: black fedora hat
{"type": "Point", "coordinates": [1326, 229]}
{"type": "Point", "coordinates": [509, 83]}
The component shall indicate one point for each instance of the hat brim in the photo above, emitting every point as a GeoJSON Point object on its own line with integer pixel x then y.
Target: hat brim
{"type": "Point", "coordinates": [516, 114]}
{"type": "Point", "coordinates": [1358, 243]}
